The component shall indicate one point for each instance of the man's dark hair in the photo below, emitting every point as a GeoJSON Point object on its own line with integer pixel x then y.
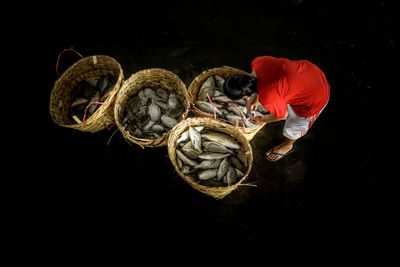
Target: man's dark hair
{"type": "Point", "coordinates": [238, 85]}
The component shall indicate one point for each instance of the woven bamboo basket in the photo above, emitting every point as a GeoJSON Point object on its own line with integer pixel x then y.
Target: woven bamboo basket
{"type": "Point", "coordinates": [152, 78]}
{"type": "Point", "coordinates": [88, 67]}
{"type": "Point", "coordinates": [223, 72]}
{"type": "Point", "coordinates": [209, 124]}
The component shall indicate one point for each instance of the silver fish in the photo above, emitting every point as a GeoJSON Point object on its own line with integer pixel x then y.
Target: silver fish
{"type": "Point", "coordinates": [185, 159]}
{"type": "Point", "coordinates": [231, 176]}
{"type": "Point", "coordinates": [102, 83]}
{"type": "Point", "coordinates": [207, 87]}
{"type": "Point", "coordinates": [222, 98]}
{"type": "Point", "coordinates": [157, 128]}
{"type": "Point", "coordinates": [147, 127]}
{"type": "Point", "coordinates": [79, 101]}
{"type": "Point", "coordinates": [195, 137]}
{"type": "Point", "coordinates": [237, 163]}
{"type": "Point", "coordinates": [240, 102]}
{"type": "Point", "coordinates": [237, 120]}
{"type": "Point", "coordinates": [154, 112]}
{"type": "Point", "coordinates": [93, 107]}
{"type": "Point", "coordinates": [168, 121]}
{"type": "Point", "coordinates": [162, 104]}
{"type": "Point", "coordinates": [211, 146]}
{"type": "Point", "coordinates": [239, 174]}
{"type": "Point", "coordinates": [207, 174]}
{"type": "Point", "coordinates": [208, 164]}
{"type": "Point", "coordinates": [242, 157]}
{"type": "Point", "coordinates": [173, 101]}
{"type": "Point", "coordinates": [212, 155]}
{"type": "Point", "coordinates": [185, 135]}
{"type": "Point", "coordinates": [187, 169]}
{"type": "Point", "coordinates": [190, 151]}
{"type": "Point", "coordinates": [162, 93]}
{"type": "Point", "coordinates": [179, 162]}
{"type": "Point", "coordinates": [222, 139]}
{"type": "Point", "coordinates": [206, 107]}
{"type": "Point", "coordinates": [219, 81]}
{"type": "Point", "coordinates": [223, 168]}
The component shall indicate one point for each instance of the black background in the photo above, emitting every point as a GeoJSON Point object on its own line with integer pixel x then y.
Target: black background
{"type": "Point", "coordinates": [68, 197]}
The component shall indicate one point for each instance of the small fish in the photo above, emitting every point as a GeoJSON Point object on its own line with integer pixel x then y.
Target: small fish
{"type": "Point", "coordinates": [237, 163]}
{"type": "Point", "coordinates": [148, 126]}
{"type": "Point", "coordinates": [157, 128]}
{"type": "Point", "coordinates": [195, 137]}
{"type": "Point", "coordinates": [207, 87]}
{"type": "Point", "coordinates": [79, 101]}
{"type": "Point", "coordinates": [187, 169]}
{"type": "Point", "coordinates": [212, 155]}
{"type": "Point", "coordinates": [162, 93]}
{"type": "Point", "coordinates": [103, 83]}
{"type": "Point", "coordinates": [206, 107]}
{"type": "Point", "coordinates": [242, 157]}
{"type": "Point", "coordinates": [239, 174]}
{"type": "Point", "coordinates": [154, 112]}
{"type": "Point", "coordinates": [150, 93]}
{"type": "Point", "coordinates": [211, 146]}
{"type": "Point", "coordinates": [190, 152]}
{"type": "Point", "coordinates": [179, 162]}
{"type": "Point", "coordinates": [168, 121]}
{"type": "Point", "coordinates": [234, 118]}
{"type": "Point", "coordinates": [93, 107]}
{"type": "Point", "coordinates": [223, 168]}
{"type": "Point", "coordinates": [222, 139]}
{"type": "Point", "coordinates": [219, 82]}
{"type": "Point", "coordinates": [185, 159]}
{"type": "Point", "coordinates": [231, 176]}
{"type": "Point", "coordinates": [173, 101]}
{"type": "Point", "coordinates": [185, 135]}
{"type": "Point", "coordinates": [162, 104]}
{"type": "Point", "coordinates": [208, 164]}
{"type": "Point", "coordinates": [207, 174]}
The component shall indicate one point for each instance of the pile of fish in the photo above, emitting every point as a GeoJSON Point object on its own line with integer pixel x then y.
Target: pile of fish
{"type": "Point", "coordinates": [151, 113]}
{"type": "Point", "coordinates": [231, 111]}
{"type": "Point", "coordinates": [210, 158]}
{"type": "Point", "coordinates": [90, 90]}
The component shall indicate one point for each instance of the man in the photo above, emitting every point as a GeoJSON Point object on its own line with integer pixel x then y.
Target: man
{"type": "Point", "coordinates": [295, 91]}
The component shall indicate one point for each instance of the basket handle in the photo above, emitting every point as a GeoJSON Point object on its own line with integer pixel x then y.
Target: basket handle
{"type": "Point", "coordinates": [59, 55]}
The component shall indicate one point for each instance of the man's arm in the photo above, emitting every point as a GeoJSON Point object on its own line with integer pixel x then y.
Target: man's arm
{"type": "Point", "coordinates": [266, 119]}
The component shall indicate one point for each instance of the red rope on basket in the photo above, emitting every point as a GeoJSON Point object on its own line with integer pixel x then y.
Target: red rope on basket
{"type": "Point", "coordinates": [84, 115]}
{"type": "Point", "coordinates": [59, 55]}
{"type": "Point", "coordinates": [241, 116]}
{"type": "Point", "coordinates": [215, 113]}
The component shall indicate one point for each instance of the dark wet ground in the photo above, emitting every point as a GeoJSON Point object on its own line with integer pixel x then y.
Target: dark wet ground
{"type": "Point", "coordinates": [84, 201]}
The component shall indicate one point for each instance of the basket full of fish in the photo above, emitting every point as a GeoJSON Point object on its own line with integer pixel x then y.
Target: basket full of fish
{"type": "Point", "coordinates": [208, 98]}
{"type": "Point", "coordinates": [82, 97]}
{"type": "Point", "coordinates": [149, 104]}
{"type": "Point", "coordinates": [213, 157]}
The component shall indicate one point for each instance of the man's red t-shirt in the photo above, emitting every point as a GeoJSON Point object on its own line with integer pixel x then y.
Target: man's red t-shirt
{"type": "Point", "coordinates": [299, 83]}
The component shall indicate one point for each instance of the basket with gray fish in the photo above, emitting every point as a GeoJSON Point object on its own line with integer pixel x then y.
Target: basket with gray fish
{"type": "Point", "coordinates": [209, 86]}
{"type": "Point", "coordinates": [210, 155]}
{"type": "Point", "coordinates": [83, 96]}
{"type": "Point", "coordinates": [149, 104]}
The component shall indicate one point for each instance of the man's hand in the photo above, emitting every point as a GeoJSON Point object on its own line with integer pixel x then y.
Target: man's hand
{"type": "Point", "coordinates": [252, 103]}
{"type": "Point", "coordinates": [258, 120]}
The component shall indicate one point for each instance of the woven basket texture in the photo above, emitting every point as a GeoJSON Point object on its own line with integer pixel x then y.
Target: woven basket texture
{"type": "Point", "coordinates": [209, 124]}
{"type": "Point", "coordinates": [223, 72]}
{"type": "Point", "coordinates": [152, 78]}
{"type": "Point", "coordinates": [88, 67]}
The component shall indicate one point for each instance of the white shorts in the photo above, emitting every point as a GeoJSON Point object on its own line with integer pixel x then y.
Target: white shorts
{"type": "Point", "coordinates": [297, 126]}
